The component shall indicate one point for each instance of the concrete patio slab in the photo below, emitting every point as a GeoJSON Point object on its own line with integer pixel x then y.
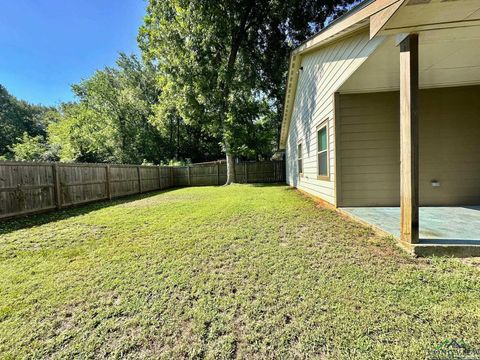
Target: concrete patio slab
{"type": "Point", "coordinates": [443, 230]}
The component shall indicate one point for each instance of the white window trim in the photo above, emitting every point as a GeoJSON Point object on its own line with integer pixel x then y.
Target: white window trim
{"type": "Point", "coordinates": [300, 158]}
{"type": "Point", "coordinates": [326, 177]}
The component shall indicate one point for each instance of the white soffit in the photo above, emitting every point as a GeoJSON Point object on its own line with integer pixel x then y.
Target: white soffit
{"type": "Point", "coordinates": [448, 57]}
{"type": "Point", "coordinates": [421, 15]}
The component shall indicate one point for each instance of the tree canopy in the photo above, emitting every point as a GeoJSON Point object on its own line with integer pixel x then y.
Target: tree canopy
{"type": "Point", "coordinates": [17, 117]}
{"type": "Point", "coordinates": [210, 82]}
{"type": "Point", "coordinates": [110, 121]}
{"type": "Point", "coordinates": [222, 64]}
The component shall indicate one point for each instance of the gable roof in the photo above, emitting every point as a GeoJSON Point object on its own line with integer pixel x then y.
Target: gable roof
{"type": "Point", "coordinates": [370, 12]}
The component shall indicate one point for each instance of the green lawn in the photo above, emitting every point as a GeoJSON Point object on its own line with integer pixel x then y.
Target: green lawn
{"type": "Point", "coordinates": [223, 272]}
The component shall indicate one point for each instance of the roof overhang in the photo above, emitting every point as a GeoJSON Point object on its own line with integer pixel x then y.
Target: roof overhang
{"type": "Point", "coordinates": [357, 18]}
{"type": "Point", "coordinates": [447, 58]}
{"type": "Point", "coordinates": [383, 17]}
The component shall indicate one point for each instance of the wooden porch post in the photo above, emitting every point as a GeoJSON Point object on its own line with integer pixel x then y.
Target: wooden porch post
{"type": "Point", "coordinates": [409, 226]}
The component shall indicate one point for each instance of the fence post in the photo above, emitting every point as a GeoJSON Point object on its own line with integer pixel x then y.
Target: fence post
{"type": "Point", "coordinates": [171, 176]}
{"type": "Point", "coordinates": [218, 173]}
{"type": "Point", "coordinates": [159, 178]}
{"type": "Point", "coordinates": [56, 186]}
{"type": "Point", "coordinates": [189, 178]}
{"type": "Point", "coordinates": [139, 180]}
{"type": "Point", "coordinates": [109, 190]}
{"type": "Point", "coordinates": [245, 165]}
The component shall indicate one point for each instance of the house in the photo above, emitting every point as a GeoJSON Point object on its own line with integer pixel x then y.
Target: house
{"type": "Point", "coordinates": [382, 117]}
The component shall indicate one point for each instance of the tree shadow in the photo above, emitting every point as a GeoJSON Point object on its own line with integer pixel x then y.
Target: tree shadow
{"type": "Point", "coordinates": [38, 219]}
{"type": "Point", "coordinates": [275, 184]}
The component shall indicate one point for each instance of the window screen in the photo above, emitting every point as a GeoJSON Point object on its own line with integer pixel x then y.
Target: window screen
{"type": "Point", "coordinates": [300, 162]}
{"type": "Point", "coordinates": [322, 151]}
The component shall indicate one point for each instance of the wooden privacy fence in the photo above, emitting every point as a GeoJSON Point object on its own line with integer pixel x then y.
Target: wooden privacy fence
{"type": "Point", "coordinates": [30, 187]}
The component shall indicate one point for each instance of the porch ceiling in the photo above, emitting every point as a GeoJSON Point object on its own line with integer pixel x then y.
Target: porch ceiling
{"type": "Point", "coordinates": [420, 15]}
{"type": "Point", "coordinates": [448, 57]}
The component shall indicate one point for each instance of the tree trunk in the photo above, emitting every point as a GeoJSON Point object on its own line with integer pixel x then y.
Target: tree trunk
{"type": "Point", "coordinates": [178, 140]}
{"type": "Point", "coordinates": [231, 176]}
{"type": "Point", "coordinates": [172, 145]}
{"type": "Point", "coordinates": [237, 38]}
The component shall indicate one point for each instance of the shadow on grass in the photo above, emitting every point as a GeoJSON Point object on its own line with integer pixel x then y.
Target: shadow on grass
{"type": "Point", "coordinates": [267, 184]}
{"type": "Point", "coordinates": [28, 221]}
{"type": "Point", "coordinates": [37, 219]}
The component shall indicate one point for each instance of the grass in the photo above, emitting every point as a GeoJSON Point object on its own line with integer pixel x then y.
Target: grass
{"type": "Point", "coordinates": [229, 272]}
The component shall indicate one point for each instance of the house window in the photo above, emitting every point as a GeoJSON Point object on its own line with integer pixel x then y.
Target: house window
{"type": "Point", "coordinates": [322, 152]}
{"type": "Point", "coordinates": [299, 159]}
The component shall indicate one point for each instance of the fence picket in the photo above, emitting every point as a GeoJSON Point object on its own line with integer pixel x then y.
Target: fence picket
{"type": "Point", "coordinates": [56, 186]}
{"type": "Point", "coordinates": [107, 182]}
{"type": "Point", "coordinates": [31, 187]}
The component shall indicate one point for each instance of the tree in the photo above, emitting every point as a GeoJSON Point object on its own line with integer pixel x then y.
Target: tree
{"type": "Point", "coordinates": [16, 118]}
{"type": "Point", "coordinates": [110, 121]}
{"type": "Point", "coordinates": [222, 64]}
{"type": "Point", "coordinates": [82, 135]}
{"type": "Point", "coordinates": [114, 120]}
{"type": "Point", "coordinates": [123, 98]}
{"type": "Point", "coordinates": [33, 148]}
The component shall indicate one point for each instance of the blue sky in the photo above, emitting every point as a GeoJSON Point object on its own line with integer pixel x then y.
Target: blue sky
{"type": "Point", "coordinates": [47, 45]}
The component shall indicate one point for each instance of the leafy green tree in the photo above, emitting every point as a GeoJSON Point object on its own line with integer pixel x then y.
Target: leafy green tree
{"type": "Point", "coordinates": [222, 64]}
{"type": "Point", "coordinates": [34, 148]}
{"type": "Point", "coordinates": [110, 121]}
{"type": "Point", "coordinates": [116, 120]}
{"type": "Point", "coordinates": [82, 135]}
{"type": "Point", "coordinates": [16, 118]}
{"type": "Point", "coordinates": [123, 99]}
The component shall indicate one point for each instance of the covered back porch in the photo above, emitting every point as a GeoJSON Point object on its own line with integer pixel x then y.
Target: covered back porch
{"type": "Point", "coordinates": [408, 141]}
{"type": "Point", "coordinates": [443, 230]}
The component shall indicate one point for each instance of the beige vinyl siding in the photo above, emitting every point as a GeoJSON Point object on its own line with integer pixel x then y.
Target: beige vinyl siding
{"type": "Point", "coordinates": [369, 149]}
{"type": "Point", "coordinates": [449, 147]}
{"type": "Point", "coordinates": [324, 71]}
